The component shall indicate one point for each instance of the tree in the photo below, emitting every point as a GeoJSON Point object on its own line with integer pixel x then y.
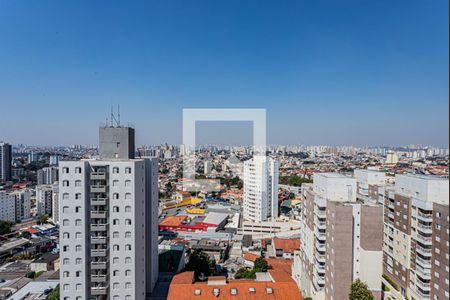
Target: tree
{"type": "Point", "coordinates": [5, 227]}
{"type": "Point", "coordinates": [201, 264]}
{"type": "Point", "coordinates": [26, 235]}
{"type": "Point", "coordinates": [42, 219]}
{"type": "Point", "coordinates": [244, 273]}
{"type": "Point", "coordinates": [261, 265]}
{"type": "Point", "coordinates": [360, 291]}
{"type": "Point", "coordinates": [54, 294]}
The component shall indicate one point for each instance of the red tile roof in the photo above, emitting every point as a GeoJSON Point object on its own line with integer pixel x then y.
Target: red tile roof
{"type": "Point", "coordinates": [282, 287]}
{"type": "Point", "coordinates": [287, 245]}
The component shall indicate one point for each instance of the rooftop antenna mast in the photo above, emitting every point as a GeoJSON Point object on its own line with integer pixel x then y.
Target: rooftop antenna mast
{"type": "Point", "coordinates": [118, 114]}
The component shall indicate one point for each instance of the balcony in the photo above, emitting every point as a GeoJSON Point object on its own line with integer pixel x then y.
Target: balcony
{"type": "Point", "coordinates": [426, 240]}
{"type": "Point", "coordinates": [98, 214]}
{"type": "Point", "coordinates": [425, 263]}
{"type": "Point", "coordinates": [99, 290]}
{"type": "Point", "coordinates": [322, 225]}
{"type": "Point", "coordinates": [98, 265]}
{"type": "Point", "coordinates": [424, 251]}
{"type": "Point", "coordinates": [99, 227]}
{"type": "Point", "coordinates": [424, 273]}
{"type": "Point", "coordinates": [428, 229]}
{"type": "Point", "coordinates": [320, 258]}
{"type": "Point", "coordinates": [98, 175]}
{"type": "Point", "coordinates": [98, 252]}
{"type": "Point", "coordinates": [98, 189]}
{"type": "Point", "coordinates": [425, 217]}
{"type": "Point", "coordinates": [321, 213]}
{"type": "Point", "coordinates": [98, 240]}
{"type": "Point", "coordinates": [321, 236]}
{"type": "Point", "coordinates": [424, 286]}
{"type": "Point", "coordinates": [321, 247]}
{"type": "Point", "coordinates": [98, 278]}
{"type": "Point", "coordinates": [98, 201]}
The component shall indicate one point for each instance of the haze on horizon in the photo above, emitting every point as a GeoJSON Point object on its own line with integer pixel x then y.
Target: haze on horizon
{"type": "Point", "coordinates": [331, 73]}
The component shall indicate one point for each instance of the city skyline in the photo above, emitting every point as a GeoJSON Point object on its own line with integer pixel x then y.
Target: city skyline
{"type": "Point", "coordinates": [338, 74]}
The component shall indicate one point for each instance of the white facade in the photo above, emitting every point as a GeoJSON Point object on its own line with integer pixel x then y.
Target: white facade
{"type": "Point", "coordinates": [108, 228]}
{"type": "Point", "coordinates": [44, 199]}
{"type": "Point", "coordinates": [207, 167]}
{"type": "Point", "coordinates": [7, 207]}
{"type": "Point", "coordinates": [260, 189]}
{"type": "Point", "coordinates": [23, 204]}
{"type": "Point", "coordinates": [55, 203]}
{"type": "Point", "coordinates": [425, 188]}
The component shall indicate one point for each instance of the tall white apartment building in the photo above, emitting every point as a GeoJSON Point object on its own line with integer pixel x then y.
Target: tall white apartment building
{"type": "Point", "coordinates": [108, 222]}
{"type": "Point", "coordinates": [341, 239]}
{"type": "Point", "coordinates": [7, 207]}
{"type": "Point", "coordinates": [55, 203]}
{"type": "Point", "coordinates": [207, 167]}
{"type": "Point", "coordinates": [22, 204]}
{"type": "Point", "coordinates": [48, 175]}
{"type": "Point", "coordinates": [416, 238]}
{"type": "Point", "coordinates": [260, 199]}
{"type": "Point", "coordinates": [44, 194]}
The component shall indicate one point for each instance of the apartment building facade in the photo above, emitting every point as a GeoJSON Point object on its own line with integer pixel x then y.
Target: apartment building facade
{"type": "Point", "coordinates": [108, 223]}
{"type": "Point", "coordinates": [22, 204]}
{"type": "Point", "coordinates": [7, 207]}
{"type": "Point", "coordinates": [5, 162]}
{"type": "Point", "coordinates": [416, 238]}
{"type": "Point", "coordinates": [44, 194]}
{"type": "Point", "coordinates": [341, 239]}
{"type": "Point", "coordinates": [260, 197]}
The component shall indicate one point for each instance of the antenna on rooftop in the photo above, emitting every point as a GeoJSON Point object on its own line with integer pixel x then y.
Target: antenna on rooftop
{"type": "Point", "coordinates": [118, 114]}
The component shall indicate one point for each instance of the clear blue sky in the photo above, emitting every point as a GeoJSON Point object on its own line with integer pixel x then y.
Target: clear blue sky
{"type": "Point", "coordinates": [328, 72]}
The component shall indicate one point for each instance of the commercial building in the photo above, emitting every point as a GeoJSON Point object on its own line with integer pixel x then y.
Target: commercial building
{"type": "Point", "coordinates": [108, 222]}
{"type": "Point", "coordinates": [260, 199]}
{"type": "Point", "coordinates": [341, 239]}
{"type": "Point", "coordinates": [416, 238]}
{"type": "Point", "coordinates": [5, 162]}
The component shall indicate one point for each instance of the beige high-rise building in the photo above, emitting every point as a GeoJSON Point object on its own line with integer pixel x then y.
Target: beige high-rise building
{"type": "Point", "coordinates": [341, 239]}
{"type": "Point", "coordinates": [416, 238]}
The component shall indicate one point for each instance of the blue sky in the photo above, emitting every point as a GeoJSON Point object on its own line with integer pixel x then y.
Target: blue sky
{"type": "Point", "coordinates": [328, 72]}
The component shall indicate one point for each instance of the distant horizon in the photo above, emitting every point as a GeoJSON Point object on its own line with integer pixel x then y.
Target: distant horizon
{"type": "Point", "coordinates": [339, 73]}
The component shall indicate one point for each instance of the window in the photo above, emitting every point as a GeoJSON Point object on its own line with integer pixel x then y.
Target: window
{"type": "Point", "coordinates": [127, 234]}
{"type": "Point", "coordinates": [127, 208]}
{"type": "Point", "coordinates": [78, 235]}
{"type": "Point", "coordinates": [77, 196]}
{"type": "Point", "coordinates": [128, 247]}
{"type": "Point", "coordinates": [66, 274]}
{"type": "Point", "coordinates": [78, 287]}
{"type": "Point", "coordinates": [78, 248]}
{"type": "Point", "coordinates": [66, 235]}
{"type": "Point", "coordinates": [65, 182]}
{"type": "Point", "coordinates": [116, 287]}
{"type": "Point", "coordinates": [78, 261]}
{"type": "Point", "coordinates": [66, 222]}
{"type": "Point", "coordinates": [116, 247]}
{"type": "Point", "coordinates": [78, 170]}
{"type": "Point", "coordinates": [116, 196]}
{"type": "Point", "coordinates": [127, 196]}
{"type": "Point", "coordinates": [127, 182]}
{"type": "Point", "coordinates": [128, 285]}
{"type": "Point", "coordinates": [66, 261]}
{"type": "Point", "coordinates": [66, 288]}
{"type": "Point", "coordinates": [116, 222]}
{"type": "Point", "coordinates": [116, 234]}
{"type": "Point", "coordinates": [65, 209]}
{"type": "Point", "coordinates": [65, 248]}
{"type": "Point", "coordinates": [78, 222]}
{"type": "Point", "coordinates": [115, 209]}
{"type": "Point", "coordinates": [78, 274]}
{"type": "Point", "coordinates": [77, 182]}
{"type": "Point", "coordinates": [115, 170]}
{"type": "Point", "coordinates": [128, 260]}
{"type": "Point", "coordinates": [116, 273]}
{"type": "Point", "coordinates": [77, 209]}
{"type": "Point", "coordinates": [128, 273]}
{"type": "Point", "coordinates": [115, 182]}
{"type": "Point", "coordinates": [65, 196]}
{"type": "Point", "coordinates": [127, 170]}
{"type": "Point", "coordinates": [115, 260]}
{"type": "Point", "coordinates": [65, 170]}
{"type": "Point", "coordinates": [127, 221]}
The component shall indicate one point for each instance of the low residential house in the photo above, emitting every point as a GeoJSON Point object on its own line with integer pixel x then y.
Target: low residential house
{"type": "Point", "coordinates": [47, 262]}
